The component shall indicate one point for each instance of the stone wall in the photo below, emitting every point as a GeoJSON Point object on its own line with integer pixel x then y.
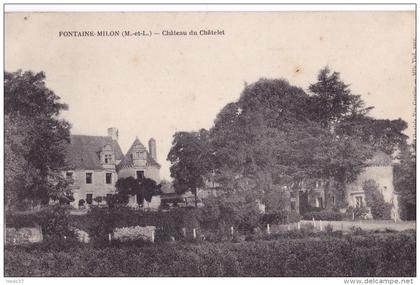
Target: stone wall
{"type": "Point", "coordinates": [21, 236]}
{"type": "Point", "coordinates": [135, 233]}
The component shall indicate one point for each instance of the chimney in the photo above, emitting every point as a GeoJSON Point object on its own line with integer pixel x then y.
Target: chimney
{"type": "Point", "coordinates": [152, 148]}
{"type": "Point", "coordinates": [113, 133]}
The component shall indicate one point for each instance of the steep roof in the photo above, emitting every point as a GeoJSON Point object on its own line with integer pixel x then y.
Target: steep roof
{"type": "Point", "coordinates": [380, 158]}
{"type": "Point", "coordinates": [83, 152]}
{"type": "Point", "coordinates": [127, 161]}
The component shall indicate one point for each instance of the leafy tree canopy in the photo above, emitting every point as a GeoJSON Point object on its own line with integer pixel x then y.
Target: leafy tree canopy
{"type": "Point", "coordinates": [276, 133]}
{"type": "Point", "coordinates": [405, 181]}
{"type": "Point", "coordinates": [144, 188]}
{"type": "Point", "coordinates": [189, 156]}
{"type": "Point", "coordinates": [35, 140]}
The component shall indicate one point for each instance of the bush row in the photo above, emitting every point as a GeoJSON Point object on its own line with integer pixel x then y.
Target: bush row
{"type": "Point", "coordinates": [212, 220]}
{"type": "Point", "coordinates": [372, 255]}
{"type": "Point", "coordinates": [325, 215]}
{"type": "Point", "coordinates": [53, 220]}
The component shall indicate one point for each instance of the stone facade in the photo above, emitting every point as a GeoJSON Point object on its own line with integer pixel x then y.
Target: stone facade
{"type": "Point", "coordinates": [151, 172]}
{"type": "Point", "coordinates": [382, 175]}
{"type": "Point", "coordinates": [96, 163]}
{"type": "Point", "coordinates": [138, 162]}
{"type": "Point", "coordinates": [99, 187]}
{"type": "Point", "coordinates": [379, 169]}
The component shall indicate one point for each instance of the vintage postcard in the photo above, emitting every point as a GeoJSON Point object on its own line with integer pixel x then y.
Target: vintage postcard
{"type": "Point", "coordinates": [210, 143]}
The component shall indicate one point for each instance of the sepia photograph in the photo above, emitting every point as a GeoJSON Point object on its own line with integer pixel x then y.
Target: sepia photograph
{"type": "Point", "coordinates": [210, 142]}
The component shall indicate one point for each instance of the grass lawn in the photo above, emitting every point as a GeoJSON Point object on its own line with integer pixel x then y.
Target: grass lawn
{"type": "Point", "coordinates": [367, 225]}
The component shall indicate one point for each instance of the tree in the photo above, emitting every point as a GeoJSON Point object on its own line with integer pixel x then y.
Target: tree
{"type": "Point", "coordinates": [189, 156]}
{"type": "Point", "coordinates": [262, 133]}
{"type": "Point", "coordinates": [149, 188]}
{"type": "Point", "coordinates": [144, 189]}
{"type": "Point", "coordinates": [405, 181]}
{"type": "Point", "coordinates": [35, 140]}
{"type": "Point", "coordinates": [229, 209]}
{"type": "Point", "coordinates": [332, 100]}
{"type": "Point", "coordinates": [129, 186]}
{"type": "Point", "coordinates": [381, 134]}
{"type": "Point", "coordinates": [345, 115]}
{"type": "Point", "coordinates": [380, 209]}
{"type": "Point", "coordinates": [278, 135]}
{"type": "Point", "coordinates": [271, 135]}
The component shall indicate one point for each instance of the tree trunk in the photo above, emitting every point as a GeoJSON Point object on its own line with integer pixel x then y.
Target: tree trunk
{"type": "Point", "coordinates": [195, 198]}
{"type": "Point", "coordinates": [327, 194]}
{"type": "Point", "coordinates": [297, 201]}
{"type": "Point", "coordinates": [341, 199]}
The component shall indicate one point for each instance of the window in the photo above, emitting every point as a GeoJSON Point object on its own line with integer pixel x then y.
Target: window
{"type": "Point", "coordinates": [108, 178]}
{"type": "Point", "coordinates": [89, 177]}
{"type": "Point", "coordinates": [69, 175]}
{"type": "Point", "coordinates": [89, 198]}
{"type": "Point", "coordinates": [359, 201]}
{"type": "Point", "coordinates": [319, 202]}
{"type": "Point", "coordinates": [333, 200]}
{"type": "Point", "coordinates": [140, 174]}
{"type": "Point", "coordinates": [108, 158]}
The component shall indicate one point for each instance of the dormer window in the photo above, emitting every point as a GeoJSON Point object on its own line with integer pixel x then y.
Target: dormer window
{"type": "Point", "coordinates": [138, 155]}
{"type": "Point", "coordinates": [108, 158]}
{"type": "Point", "coordinates": [107, 155]}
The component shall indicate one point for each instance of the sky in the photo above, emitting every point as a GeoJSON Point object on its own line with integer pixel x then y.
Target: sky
{"type": "Point", "coordinates": [158, 85]}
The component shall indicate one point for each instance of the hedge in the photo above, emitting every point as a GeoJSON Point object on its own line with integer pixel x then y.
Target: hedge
{"type": "Point", "coordinates": [324, 215]}
{"type": "Point", "coordinates": [392, 254]}
{"type": "Point", "coordinates": [53, 220]}
{"type": "Point", "coordinates": [279, 218]}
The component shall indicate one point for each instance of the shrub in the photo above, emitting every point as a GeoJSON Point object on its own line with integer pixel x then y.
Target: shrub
{"type": "Point", "coordinates": [98, 199]}
{"type": "Point", "coordinates": [357, 230]}
{"type": "Point", "coordinates": [241, 212]}
{"type": "Point", "coordinates": [55, 222]}
{"type": "Point", "coordinates": [22, 220]}
{"type": "Point", "coordinates": [279, 218]}
{"type": "Point", "coordinates": [329, 228]}
{"type": "Point", "coordinates": [356, 212]}
{"type": "Point", "coordinates": [134, 233]}
{"type": "Point", "coordinates": [307, 228]}
{"type": "Point", "coordinates": [100, 222]}
{"type": "Point", "coordinates": [372, 255]}
{"type": "Point", "coordinates": [274, 218]}
{"type": "Point", "coordinates": [81, 203]}
{"type": "Point", "coordinates": [375, 200]}
{"type": "Point", "coordinates": [325, 215]}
